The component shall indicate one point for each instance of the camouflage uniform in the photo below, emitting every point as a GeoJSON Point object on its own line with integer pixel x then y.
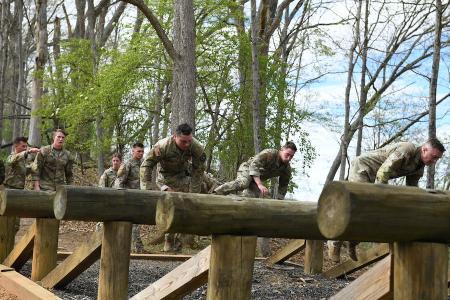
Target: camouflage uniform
{"type": "Point", "coordinates": [2, 171]}
{"type": "Point", "coordinates": [128, 177]}
{"type": "Point", "coordinates": [108, 177]}
{"type": "Point", "coordinates": [266, 165]}
{"type": "Point", "coordinates": [181, 171]}
{"type": "Point", "coordinates": [52, 167]}
{"type": "Point", "coordinates": [17, 168]}
{"type": "Point", "coordinates": [173, 166]}
{"type": "Point", "coordinates": [378, 166]}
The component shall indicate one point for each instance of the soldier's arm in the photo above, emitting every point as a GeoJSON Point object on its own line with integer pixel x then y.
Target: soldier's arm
{"type": "Point", "coordinates": [17, 157]}
{"type": "Point", "coordinates": [36, 168]}
{"type": "Point", "coordinates": [283, 183]}
{"type": "Point", "coordinates": [258, 162]}
{"type": "Point", "coordinates": [122, 176]}
{"type": "Point", "coordinates": [2, 171]}
{"type": "Point", "coordinates": [392, 163]}
{"type": "Point", "coordinates": [102, 180]}
{"type": "Point", "coordinates": [68, 170]}
{"type": "Point", "coordinates": [198, 168]}
{"type": "Point", "coordinates": [413, 180]}
{"type": "Point", "coordinates": [145, 172]}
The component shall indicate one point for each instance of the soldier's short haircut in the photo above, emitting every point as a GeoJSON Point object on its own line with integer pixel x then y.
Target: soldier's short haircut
{"type": "Point", "coordinates": [59, 130]}
{"type": "Point", "coordinates": [290, 145]}
{"type": "Point", "coordinates": [20, 139]}
{"type": "Point", "coordinates": [436, 144]}
{"type": "Point", "coordinates": [140, 145]}
{"type": "Point", "coordinates": [183, 129]}
{"type": "Point", "coordinates": [118, 155]}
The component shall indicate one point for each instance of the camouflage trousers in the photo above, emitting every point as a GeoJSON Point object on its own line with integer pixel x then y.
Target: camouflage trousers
{"type": "Point", "coordinates": [243, 182]}
{"type": "Point", "coordinates": [136, 241]}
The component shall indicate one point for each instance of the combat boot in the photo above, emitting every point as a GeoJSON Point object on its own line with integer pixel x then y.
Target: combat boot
{"type": "Point", "coordinates": [334, 252]}
{"type": "Point", "coordinates": [352, 252]}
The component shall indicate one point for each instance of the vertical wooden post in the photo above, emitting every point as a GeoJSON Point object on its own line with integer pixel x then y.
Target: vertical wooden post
{"type": "Point", "coordinates": [420, 271]}
{"type": "Point", "coordinates": [7, 234]}
{"type": "Point", "coordinates": [313, 257]}
{"type": "Point", "coordinates": [115, 261]}
{"type": "Point", "coordinates": [231, 268]}
{"type": "Point", "coordinates": [45, 248]}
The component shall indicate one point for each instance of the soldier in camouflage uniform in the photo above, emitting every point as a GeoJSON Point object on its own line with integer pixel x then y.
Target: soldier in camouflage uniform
{"type": "Point", "coordinates": [109, 176]}
{"type": "Point", "coordinates": [52, 165]}
{"type": "Point", "coordinates": [17, 167]}
{"type": "Point", "coordinates": [128, 178]}
{"type": "Point", "coordinates": [267, 164]}
{"type": "Point", "coordinates": [173, 156]}
{"type": "Point", "coordinates": [393, 161]}
{"type": "Point", "coordinates": [17, 163]}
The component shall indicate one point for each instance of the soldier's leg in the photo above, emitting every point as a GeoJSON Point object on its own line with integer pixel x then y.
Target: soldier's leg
{"type": "Point", "coordinates": [169, 242]}
{"type": "Point", "coordinates": [136, 241]}
{"type": "Point", "coordinates": [241, 182]}
{"type": "Point", "coordinates": [334, 250]}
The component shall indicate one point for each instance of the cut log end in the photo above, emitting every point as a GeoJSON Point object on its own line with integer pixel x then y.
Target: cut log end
{"type": "Point", "coordinates": [60, 202]}
{"type": "Point", "coordinates": [333, 210]}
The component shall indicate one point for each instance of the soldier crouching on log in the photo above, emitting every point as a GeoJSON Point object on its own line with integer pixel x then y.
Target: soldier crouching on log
{"type": "Point", "coordinates": [180, 161]}
{"type": "Point", "coordinates": [267, 164]}
{"type": "Point", "coordinates": [392, 161]}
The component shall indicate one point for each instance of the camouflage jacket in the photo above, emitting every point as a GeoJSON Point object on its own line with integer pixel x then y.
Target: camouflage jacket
{"type": "Point", "coordinates": [108, 177]}
{"type": "Point", "coordinates": [2, 171]}
{"type": "Point", "coordinates": [17, 169]}
{"type": "Point", "coordinates": [173, 165]}
{"type": "Point", "coordinates": [52, 167]}
{"type": "Point", "coordinates": [128, 175]}
{"type": "Point", "coordinates": [392, 161]}
{"type": "Point", "coordinates": [267, 164]}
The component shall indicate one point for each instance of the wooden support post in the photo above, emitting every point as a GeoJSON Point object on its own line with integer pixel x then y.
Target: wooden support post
{"type": "Point", "coordinates": [23, 249]}
{"type": "Point", "coordinates": [7, 234]}
{"type": "Point", "coordinates": [314, 257]}
{"type": "Point", "coordinates": [45, 248]}
{"type": "Point", "coordinates": [231, 269]}
{"type": "Point", "coordinates": [286, 252]}
{"type": "Point", "coordinates": [115, 261]}
{"type": "Point", "coordinates": [23, 287]}
{"type": "Point", "coordinates": [81, 259]}
{"type": "Point", "coordinates": [372, 285]}
{"type": "Point", "coordinates": [420, 271]}
{"type": "Point", "coordinates": [366, 258]}
{"type": "Point", "coordinates": [180, 281]}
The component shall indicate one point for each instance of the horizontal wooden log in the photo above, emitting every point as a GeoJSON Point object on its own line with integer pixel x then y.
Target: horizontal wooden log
{"type": "Point", "coordinates": [23, 287]}
{"type": "Point", "coordinates": [26, 204]}
{"type": "Point", "coordinates": [104, 204]}
{"type": "Point", "coordinates": [208, 214]}
{"type": "Point", "coordinates": [383, 213]}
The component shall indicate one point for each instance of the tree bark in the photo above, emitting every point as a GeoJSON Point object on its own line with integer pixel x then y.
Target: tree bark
{"type": "Point", "coordinates": [40, 59]}
{"type": "Point", "coordinates": [433, 86]}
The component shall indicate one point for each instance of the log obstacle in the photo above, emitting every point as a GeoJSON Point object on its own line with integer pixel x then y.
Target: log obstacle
{"type": "Point", "coordinates": [414, 219]}
{"type": "Point", "coordinates": [207, 214]}
{"type": "Point", "coordinates": [26, 204]}
{"type": "Point", "coordinates": [383, 213]}
{"type": "Point", "coordinates": [105, 204]}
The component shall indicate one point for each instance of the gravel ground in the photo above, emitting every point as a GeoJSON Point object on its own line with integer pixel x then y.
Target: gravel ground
{"type": "Point", "coordinates": [283, 282]}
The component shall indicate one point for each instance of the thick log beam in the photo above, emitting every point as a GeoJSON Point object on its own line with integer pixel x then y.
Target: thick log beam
{"type": "Point", "coordinates": [383, 213]}
{"type": "Point", "coordinates": [26, 204]}
{"type": "Point", "coordinates": [103, 204]}
{"type": "Point", "coordinates": [208, 214]}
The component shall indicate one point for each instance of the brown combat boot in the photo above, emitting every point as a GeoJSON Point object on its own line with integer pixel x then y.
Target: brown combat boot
{"type": "Point", "coordinates": [334, 252]}
{"type": "Point", "coordinates": [352, 252]}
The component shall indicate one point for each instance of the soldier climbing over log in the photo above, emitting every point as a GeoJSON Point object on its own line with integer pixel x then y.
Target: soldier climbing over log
{"type": "Point", "coordinates": [393, 161]}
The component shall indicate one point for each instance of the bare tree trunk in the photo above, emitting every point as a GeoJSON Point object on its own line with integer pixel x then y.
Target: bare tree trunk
{"type": "Point", "coordinates": [4, 44]}
{"type": "Point", "coordinates": [184, 81]}
{"type": "Point", "coordinates": [41, 58]}
{"type": "Point", "coordinates": [256, 80]}
{"type": "Point", "coordinates": [351, 67]}
{"type": "Point", "coordinates": [20, 66]}
{"type": "Point", "coordinates": [363, 91]}
{"type": "Point", "coordinates": [80, 26]}
{"type": "Point", "coordinates": [433, 86]}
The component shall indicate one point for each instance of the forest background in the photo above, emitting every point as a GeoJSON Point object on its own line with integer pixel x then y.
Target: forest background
{"type": "Point", "coordinates": [336, 77]}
